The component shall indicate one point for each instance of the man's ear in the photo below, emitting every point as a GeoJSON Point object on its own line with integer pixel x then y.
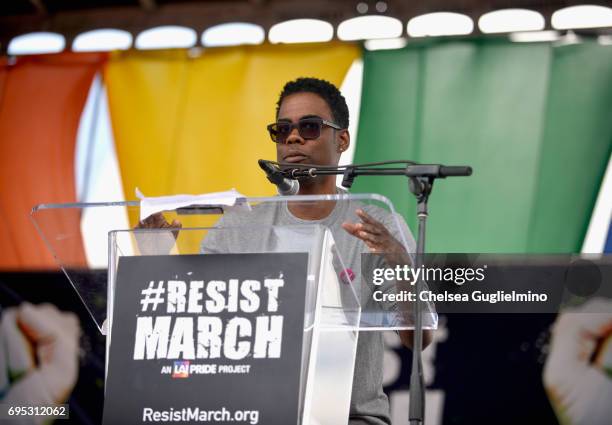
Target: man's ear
{"type": "Point", "coordinates": [344, 141]}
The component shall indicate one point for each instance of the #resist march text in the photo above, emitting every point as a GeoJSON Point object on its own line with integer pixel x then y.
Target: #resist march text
{"type": "Point", "coordinates": [182, 332]}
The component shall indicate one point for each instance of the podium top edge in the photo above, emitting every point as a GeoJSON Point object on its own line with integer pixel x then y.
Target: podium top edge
{"type": "Point", "coordinates": [294, 198]}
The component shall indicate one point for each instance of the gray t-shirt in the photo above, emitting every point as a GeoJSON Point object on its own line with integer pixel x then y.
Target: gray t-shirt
{"type": "Point", "coordinates": [369, 404]}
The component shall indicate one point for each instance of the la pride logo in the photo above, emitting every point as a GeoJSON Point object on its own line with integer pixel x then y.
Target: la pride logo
{"type": "Point", "coordinates": [180, 369]}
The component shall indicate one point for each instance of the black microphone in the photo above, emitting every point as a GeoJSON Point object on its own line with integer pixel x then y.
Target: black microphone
{"type": "Point", "coordinates": [284, 185]}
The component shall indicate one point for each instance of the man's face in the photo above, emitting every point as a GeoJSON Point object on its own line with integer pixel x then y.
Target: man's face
{"type": "Point", "coordinates": [321, 151]}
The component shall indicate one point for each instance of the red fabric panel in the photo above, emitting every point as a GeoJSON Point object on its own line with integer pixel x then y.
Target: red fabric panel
{"type": "Point", "coordinates": [41, 101]}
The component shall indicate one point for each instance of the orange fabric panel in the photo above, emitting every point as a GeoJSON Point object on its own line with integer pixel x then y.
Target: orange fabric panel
{"type": "Point", "coordinates": [41, 101]}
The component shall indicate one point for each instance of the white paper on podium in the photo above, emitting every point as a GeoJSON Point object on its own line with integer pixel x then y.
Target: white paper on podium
{"type": "Point", "coordinates": [230, 199]}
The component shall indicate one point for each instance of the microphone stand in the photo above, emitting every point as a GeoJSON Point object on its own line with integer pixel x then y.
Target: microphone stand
{"type": "Point", "coordinates": [421, 178]}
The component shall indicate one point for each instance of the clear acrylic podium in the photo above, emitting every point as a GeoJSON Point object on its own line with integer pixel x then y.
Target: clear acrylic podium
{"type": "Point", "coordinates": [338, 302]}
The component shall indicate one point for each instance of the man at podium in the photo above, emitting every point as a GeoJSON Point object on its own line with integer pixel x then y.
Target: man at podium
{"type": "Point", "coordinates": [311, 127]}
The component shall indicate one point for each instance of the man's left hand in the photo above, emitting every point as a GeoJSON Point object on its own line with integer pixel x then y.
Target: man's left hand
{"type": "Point", "coordinates": [377, 238]}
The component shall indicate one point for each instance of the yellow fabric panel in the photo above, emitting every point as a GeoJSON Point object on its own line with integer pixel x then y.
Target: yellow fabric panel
{"type": "Point", "coordinates": [196, 124]}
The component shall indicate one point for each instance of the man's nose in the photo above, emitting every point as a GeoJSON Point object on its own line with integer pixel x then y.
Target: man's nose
{"type": "Point", "coordinates": [294, 137]}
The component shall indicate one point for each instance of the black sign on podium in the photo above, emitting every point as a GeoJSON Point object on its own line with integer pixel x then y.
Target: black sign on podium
{"type": "Point", "coordinates": [207, 338]}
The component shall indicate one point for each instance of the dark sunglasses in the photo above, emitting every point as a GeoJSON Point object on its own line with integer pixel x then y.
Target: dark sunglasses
{"type": "Point", "coordinates": [309, 128]}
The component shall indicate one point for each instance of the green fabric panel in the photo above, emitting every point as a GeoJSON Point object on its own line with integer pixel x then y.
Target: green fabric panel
{"type": "Point", "coordinates": [491, 104]}
{"type": "Point", "coordinates": [576, 147]}
{"type": "Point", "coordinates": [389, 131]}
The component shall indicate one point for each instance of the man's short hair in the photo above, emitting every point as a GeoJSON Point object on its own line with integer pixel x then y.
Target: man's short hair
{"type": "Point", "coordinates": [324, 89]}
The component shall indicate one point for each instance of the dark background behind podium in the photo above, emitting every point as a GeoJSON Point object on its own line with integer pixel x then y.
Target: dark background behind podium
{"type": "Point", "coordinates": [489, 367]}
